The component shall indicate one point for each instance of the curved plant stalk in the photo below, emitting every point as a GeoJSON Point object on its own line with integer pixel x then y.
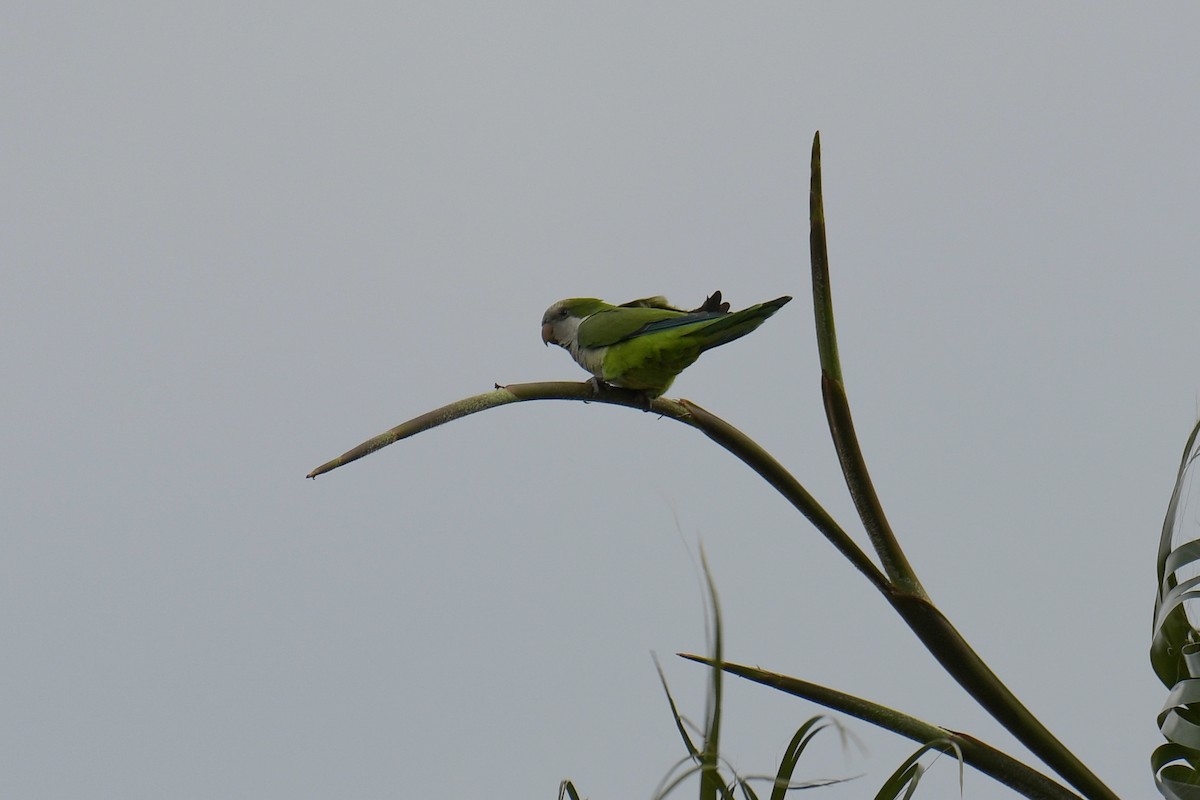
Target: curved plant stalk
{"type": "Point", "coordinates": [1175, 647]}
{"type": "Point", "coordinates": [501, 395]}
{"type": "Point", "coordinates": [957, 657]}
{"type": "Point", "coordinates": [897, 580]}
{"type": "Point", "coordinates": [774, 473]}
{"type": "Point", "coordinates": [837, 408]}
{"type": "Point", "coordinates": [933, 629]}
{"type": "Point", "coordinates": [717, 429]}
{"type": "Point", "coordinates": [905, 592]}
{"type": "Point", "coordinates": [987, 759]}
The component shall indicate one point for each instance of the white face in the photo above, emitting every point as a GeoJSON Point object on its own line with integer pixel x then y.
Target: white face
{"type": "Point", "coordinates": [559, 326]}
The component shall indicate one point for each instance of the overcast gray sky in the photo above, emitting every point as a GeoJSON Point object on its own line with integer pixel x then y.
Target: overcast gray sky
{"type": "Point", "coordinates": [238, 239]}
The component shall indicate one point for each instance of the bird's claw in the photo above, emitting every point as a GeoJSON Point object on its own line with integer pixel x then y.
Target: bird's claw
{"type": "Point", "coordinates": [599, 387]}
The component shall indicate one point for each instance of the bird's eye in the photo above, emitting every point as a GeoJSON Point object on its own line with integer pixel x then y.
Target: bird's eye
{"type": "Point", "coordinates": [562, 313]}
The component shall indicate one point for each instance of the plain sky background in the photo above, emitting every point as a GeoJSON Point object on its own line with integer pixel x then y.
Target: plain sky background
{"type": "Point", "coordinates": [240, 238]}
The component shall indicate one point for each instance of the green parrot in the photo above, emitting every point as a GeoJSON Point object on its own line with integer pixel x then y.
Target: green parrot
{"type": "Point", "coordinates": [643, 344]}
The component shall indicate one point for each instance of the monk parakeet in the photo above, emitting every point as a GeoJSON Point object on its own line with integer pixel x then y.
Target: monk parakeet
{"type": "Point", "coordinates": [642, 345]}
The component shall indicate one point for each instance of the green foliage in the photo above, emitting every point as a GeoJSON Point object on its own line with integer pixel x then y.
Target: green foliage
{"type": "Point", "coordinates": [909, 773]}
{"type": "Point", "coordinates": [1175, 647]}
{"type": "Point", "coordinates": [706, 760]}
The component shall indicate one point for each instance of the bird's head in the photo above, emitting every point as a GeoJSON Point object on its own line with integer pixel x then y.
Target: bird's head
{"type": "Point", "coordinates": [560, 323]}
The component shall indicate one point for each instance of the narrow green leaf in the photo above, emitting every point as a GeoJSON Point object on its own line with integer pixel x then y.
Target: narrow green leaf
{"type": "Point", "coordinates": [791, 755]}
{"type": "Point", "coordinates": [909, 773]}
{"type": "Point", "coordinates": [712, 727]}
{"type": "Point", "coordinates": [687, 740]}
{"type": "Point", "coordinates": [819, 255]}
{"type": "Point", "coordinates": [983, 757]}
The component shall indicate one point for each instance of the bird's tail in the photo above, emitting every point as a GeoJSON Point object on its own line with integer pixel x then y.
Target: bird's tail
{"type": "Point", "coordinates": [727, 327]}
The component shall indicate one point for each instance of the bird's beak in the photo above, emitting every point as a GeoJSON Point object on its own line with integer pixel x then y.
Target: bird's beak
{"type": "Point", "coordinates": [548, 334]}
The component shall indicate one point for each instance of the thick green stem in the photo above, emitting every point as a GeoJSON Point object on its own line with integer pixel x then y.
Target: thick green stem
{"type": "Point", "coordinates": [904, 591]}
{"type": "Point", "coordinates": [951, 650]}
{"type": "Point", "coordinates": [980, 755]}
{"type": "Point", "coordinates": [837, 408]}
{"type": "Point", "coordinates": [762, 462]}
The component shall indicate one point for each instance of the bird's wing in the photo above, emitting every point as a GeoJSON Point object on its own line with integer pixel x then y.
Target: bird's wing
{"type": "Point", "coordinates": [711, 303]}
{"type": "Point", "coordinates": [658, 301]}
{"type": "Point", "coordinates": [619, 324]}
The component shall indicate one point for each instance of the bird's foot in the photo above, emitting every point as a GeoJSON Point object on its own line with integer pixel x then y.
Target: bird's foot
{"type": "Point", "coordinates": [599, 387]}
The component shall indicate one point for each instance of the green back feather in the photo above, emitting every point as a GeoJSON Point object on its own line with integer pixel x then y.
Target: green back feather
{"type": "Point", "coordinates": [618, 324]}
{"type": "Point", "coordinates": [708, 328]}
